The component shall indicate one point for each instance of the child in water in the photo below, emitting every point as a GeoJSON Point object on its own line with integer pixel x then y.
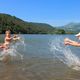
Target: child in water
{"type": "Point", "coordinates": [8, 40]}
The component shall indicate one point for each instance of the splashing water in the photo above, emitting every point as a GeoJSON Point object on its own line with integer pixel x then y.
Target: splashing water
{"type": "Point", "coordinates": [13, 51]}
{"type": "Point", "coordinates": [64, 54]}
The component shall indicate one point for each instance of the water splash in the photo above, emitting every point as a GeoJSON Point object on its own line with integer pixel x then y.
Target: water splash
{"type": "Point", "coordinates": [64, 54]}
{"type": "Point", "coordinates": [14, 50]}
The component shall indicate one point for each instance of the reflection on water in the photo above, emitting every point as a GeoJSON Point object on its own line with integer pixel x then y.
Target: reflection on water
{"type": "Point", "coordinates": [38, 62]}
{"type": "Point", "coordinates": [33, 69]}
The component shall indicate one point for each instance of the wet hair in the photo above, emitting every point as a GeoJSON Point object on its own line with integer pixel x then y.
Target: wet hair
{"type": "Point", "coordinates": [7, 31]}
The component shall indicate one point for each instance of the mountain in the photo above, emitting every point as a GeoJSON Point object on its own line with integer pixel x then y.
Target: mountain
{"type": "Point", "coordinates": [17, 25]}
{"type": "Point", "coordinates": [71, 28]}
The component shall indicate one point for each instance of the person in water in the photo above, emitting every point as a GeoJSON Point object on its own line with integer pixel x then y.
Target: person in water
{"type": "Point", "coordinates": [8, 40]}
{"type": "Point", "coordinates": [68, 41]}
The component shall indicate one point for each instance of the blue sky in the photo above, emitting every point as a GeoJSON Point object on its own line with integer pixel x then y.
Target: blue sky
{"type": "Point", "coordinates": [54, 12]}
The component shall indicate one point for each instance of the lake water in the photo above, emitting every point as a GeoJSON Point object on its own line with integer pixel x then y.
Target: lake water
{"type": "Point", "coordinates": [42, 57]}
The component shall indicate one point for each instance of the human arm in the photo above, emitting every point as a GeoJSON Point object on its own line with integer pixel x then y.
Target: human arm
{"type": "Point", "coordinates": [16, 37]}
{"type": "Point", "coordinates": [74, 44]}
{"type": "Point", "coordinates": [8, 38]}
{"type": "Point", "coordinates": [71, 42]}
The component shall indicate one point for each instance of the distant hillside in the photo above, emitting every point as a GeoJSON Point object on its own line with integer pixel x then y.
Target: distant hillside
{"type": "Point", "coordinates": [71, 28]}
{"type": "Point", "coordinates": [17, 25]}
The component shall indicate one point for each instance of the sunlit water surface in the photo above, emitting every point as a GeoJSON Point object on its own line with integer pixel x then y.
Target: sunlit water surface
{"type": "Point", "coordinates": [41, 57]}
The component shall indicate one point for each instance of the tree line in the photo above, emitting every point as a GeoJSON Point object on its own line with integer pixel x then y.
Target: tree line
{"type": "Point", "coordinates": [17, 25]}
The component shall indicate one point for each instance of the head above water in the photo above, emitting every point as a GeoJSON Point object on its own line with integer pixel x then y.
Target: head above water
{"type": "Point", "coordinates": [78, 35]}
{"type": "Point", "coordinates": [8, 32]}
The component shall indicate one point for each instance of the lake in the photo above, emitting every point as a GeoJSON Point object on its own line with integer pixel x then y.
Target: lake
{"type": "Point", "coordinates": [42, 57]}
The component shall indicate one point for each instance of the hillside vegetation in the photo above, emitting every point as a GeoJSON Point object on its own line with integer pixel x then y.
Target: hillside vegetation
{"type": "Point", "coordinates": [17, 25]}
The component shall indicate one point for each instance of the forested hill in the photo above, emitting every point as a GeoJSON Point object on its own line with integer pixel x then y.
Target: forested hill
{"type": "Point", "coordinates": [71, 28]}
{"type": "Point", "coordinates": [17, 25]}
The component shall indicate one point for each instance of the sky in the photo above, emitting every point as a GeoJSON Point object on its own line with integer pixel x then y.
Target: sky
{"type": "Point", "coordinates": [53, 12]}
